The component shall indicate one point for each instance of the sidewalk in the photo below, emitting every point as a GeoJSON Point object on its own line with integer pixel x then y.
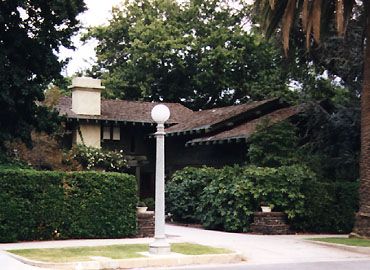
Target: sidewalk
{"type": "Point", "coordinates": [258, 249]}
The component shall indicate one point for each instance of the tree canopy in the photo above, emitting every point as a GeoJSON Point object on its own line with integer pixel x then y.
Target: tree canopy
{"type": "Point", "coordinates": [31, 33]}
{"type": "Point", "coordinates": [196, 52]}
{"type": "Point", "coordinates": [314, 18]}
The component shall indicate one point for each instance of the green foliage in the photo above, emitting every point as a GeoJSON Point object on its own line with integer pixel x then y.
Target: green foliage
{"type": "Point", "coordinates": [231, 198]}
{"type": "Point", "coordinates": [92, 158]}
{"type": "Point", "coordinates": [227, 202]}
{"type": "Point", "coordinates": [32, 33]}
{"type": "Point", "coordinates": [273, 145]}
{"type": "Point", "coordinates": [184, 190]}
{"type": "Point", "coordinates": [226, 198]}
{"type": "Point", "coordinates": [40, 205]}
{"type": "Point", "coordinates": [329, 207]}
{"type": "Point", "coordinates": [150, 203]}
{"type": "Point", "coordinates": [333, 143]}
{"type": "Point", "coordinates": [11, 161]}
{"type": "Point", "coordinates": [151, 49]}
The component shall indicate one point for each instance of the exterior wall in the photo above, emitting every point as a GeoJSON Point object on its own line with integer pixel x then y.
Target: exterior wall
{"type": "Point", "coordinates": [86, 101]}
{"type": "Point", "coordinates": [216, 155]}
{"type": "Point", "coordinates": [90, 134]}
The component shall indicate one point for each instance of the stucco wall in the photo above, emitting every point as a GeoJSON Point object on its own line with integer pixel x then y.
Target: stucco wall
{"type": "Point", "coordinates": [90, 134]}
{"type": "Point", "coordinates": [86, 101]}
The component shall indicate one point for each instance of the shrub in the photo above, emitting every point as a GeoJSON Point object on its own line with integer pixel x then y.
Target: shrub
{"type": "Point", "coordinates": [227, 202]}
{"type": "Point", "coordinates": [92, 158]}
{"type": "Point", "coordinates": [40, 205]}
{"type": "Point", "coordinates": [329, 207]}
{"type": "Point", "coordinates": [231, 198]}
{"type": "Point", "coordinates": [226, 198]}
{"type": "Point", "coordinates": [183, 192]}
{"type": "Point", "coordinates": [150, 203]}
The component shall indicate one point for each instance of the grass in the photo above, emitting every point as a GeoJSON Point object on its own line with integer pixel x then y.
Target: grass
{"type": "Point", "coordinates": [194, 249]}
{"type": "Point", "coordinates": [74, 254]}
{"type": "Point", "coordinates": [82, 253]}
{"type": "Point", "coordinates": [345, 241]}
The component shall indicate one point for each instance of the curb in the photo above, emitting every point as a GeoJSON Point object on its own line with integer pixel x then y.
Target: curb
{"type": "Point", "coordinates": [362, 250]}
{"type": "Point", "coordinates": [160, 261]}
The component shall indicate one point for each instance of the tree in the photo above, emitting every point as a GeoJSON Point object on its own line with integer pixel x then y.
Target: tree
{"type": "Point", "coordinates": [198, 53]}
{"type": "Point", "coordinates": [31, 33]}
{"type": "Point", "coordinates": [274, 145]}
{"type": "Point", "coordinates": [316, 16]}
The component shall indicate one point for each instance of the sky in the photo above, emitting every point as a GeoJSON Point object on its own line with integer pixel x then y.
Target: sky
{"type": "Point", "coordinates": [98, 13]}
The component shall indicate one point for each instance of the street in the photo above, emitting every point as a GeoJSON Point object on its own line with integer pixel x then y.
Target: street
{"type": "Point", "coordinates": [341, 265]}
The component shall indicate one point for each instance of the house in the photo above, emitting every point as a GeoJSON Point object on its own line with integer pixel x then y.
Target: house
{"type": "Point", "coordinates": [214, 137]}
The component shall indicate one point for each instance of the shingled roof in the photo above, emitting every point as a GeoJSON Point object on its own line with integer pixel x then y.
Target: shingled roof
{"type": "Point", "coordinates": [202, 120]}
{"type": "Point", "coordinates": [125, 111]}
{"type": "Point", "coordinates": [243, 131]}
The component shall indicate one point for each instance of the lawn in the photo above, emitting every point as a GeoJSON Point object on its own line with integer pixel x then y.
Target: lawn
{"type": "Point", "coordinates": [74, 254]}
{"type": "Point", "coordinates": [345, 241]}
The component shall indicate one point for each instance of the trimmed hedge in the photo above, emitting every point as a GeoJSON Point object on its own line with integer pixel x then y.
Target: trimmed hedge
{"type": "Point", "coordinates": [41, 205]}
{"type": "Point", "coordinates": [226, 198]}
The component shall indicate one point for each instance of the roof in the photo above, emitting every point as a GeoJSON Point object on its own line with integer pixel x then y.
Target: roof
{"type": "Point", "coordinates": [207, 118]}
{"type": "Point", "coordinates": [128, 111]}
{"type": "Point", "coordinates": [245, 130]}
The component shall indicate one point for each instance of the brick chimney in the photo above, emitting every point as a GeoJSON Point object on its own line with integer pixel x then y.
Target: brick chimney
{"type": "Point", "coordinates": [86, 95]}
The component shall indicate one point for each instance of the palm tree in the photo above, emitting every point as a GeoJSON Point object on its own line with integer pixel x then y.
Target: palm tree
{"type": "Point", "coordinates": [313, 16]}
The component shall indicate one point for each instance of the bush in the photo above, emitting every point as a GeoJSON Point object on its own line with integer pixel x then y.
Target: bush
{"type": "Point", "coordinates": [41, 205]}
{"type": "Point", "coordinates": [183, 192]}
{"type": "Point", "coordinates": [329, 207]}
{"type": "Point", "coordinates": [226, 198]}
{"type": "Point", "coordinates": [92, 158]}
{"type": "Point", "coordinates": [229, 201]}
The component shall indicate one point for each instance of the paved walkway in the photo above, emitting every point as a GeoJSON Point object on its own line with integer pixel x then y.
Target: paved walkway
{"type": "Point", "coordinates": [259, 249]}
{"type": "Point", "coordinates": [262, 249]}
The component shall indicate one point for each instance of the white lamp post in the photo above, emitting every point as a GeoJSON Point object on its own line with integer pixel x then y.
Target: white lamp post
{"type": "Point", "coordinates": [160, 114]}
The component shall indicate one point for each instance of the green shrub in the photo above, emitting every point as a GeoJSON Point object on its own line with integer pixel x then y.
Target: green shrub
{"type": "Point", "coordinates": [227, 202]}
{"type": "Point", "coordinates": [226, 198]}
{"type": "Point", "coordinates": [150, 203]}
{"type": "Point", "coordinates": [329, 207]}
{"type": "Point", "coordinates": [40, 205]}
{"type": "Point", "coordinates": [230, 200]}
{"type": "Point", "coordinates": [183, 192]}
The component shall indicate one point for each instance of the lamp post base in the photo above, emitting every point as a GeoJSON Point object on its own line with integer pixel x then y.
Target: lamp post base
{"type": "Point", "coordinates": [159, 247]}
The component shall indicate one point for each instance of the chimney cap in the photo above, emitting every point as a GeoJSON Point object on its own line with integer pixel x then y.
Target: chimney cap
{"type": "Point", "coordinates": [86, 82]}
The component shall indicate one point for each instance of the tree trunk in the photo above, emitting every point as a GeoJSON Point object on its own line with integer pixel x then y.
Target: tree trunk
{"type": "Point", "coordinates": [362, 222]}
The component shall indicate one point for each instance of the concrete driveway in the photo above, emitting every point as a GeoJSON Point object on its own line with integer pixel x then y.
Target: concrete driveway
{"type": "Point", "coordinates": [258, 249]}
{"type": "Point", "coordinates": [265, 249]}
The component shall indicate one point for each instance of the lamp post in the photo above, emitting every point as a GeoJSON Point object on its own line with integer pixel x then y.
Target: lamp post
{"type": "Point", "coordinates": [160, 114]}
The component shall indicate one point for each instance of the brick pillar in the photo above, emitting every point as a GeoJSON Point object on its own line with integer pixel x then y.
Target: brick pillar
{"type": "Point", "coordinates": [145, 222]}
{"type": "Point", "coordinates": [270, 223]}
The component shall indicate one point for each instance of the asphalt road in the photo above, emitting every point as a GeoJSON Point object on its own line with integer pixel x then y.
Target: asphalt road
{"type": "Point", "coordinates": [341, 265]}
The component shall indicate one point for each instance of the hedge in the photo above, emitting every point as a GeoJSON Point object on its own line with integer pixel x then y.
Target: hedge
{"type": "Point", "coordinates": [226, 198]}
{"type": "Point", "coordinates": [41, 205]}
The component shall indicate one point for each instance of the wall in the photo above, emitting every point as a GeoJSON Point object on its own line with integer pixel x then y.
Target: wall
{"type": "Point", "coordinates": [86, 101]}
{"type": "Point", "coordinates": [90, 134]}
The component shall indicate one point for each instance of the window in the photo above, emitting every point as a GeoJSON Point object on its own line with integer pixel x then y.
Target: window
{"type": "Point", "coordinates": [106, 133]}
{"type": "Point", "coordinates": [111, 133]}
{"type": "Point", "coordinates": [116, 133]}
